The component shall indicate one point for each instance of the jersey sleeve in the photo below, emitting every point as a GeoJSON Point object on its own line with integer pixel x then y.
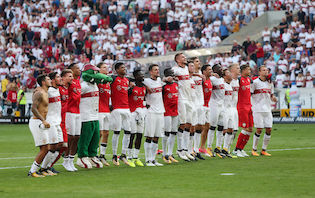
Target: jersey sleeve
{"type": "Point", "coordinates": [252, 87]}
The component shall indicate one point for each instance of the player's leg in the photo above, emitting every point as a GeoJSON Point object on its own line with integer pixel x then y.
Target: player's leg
{"type": "Point", "coordinates": [104, 132]}
{"type": "Point", "coordinates": [133, 131]}
{"type": "Point", "coordinates": [149, 134]}
{"type": "Point", "coordinates": [158, 132]}
{"type": "Point", "coordinates": [244, 122]}
{"type": "Point", "coordinates": [116, 124]}
{"type": "Point", "coordinates": [70, 128]}
{"type": "Point", "coordinates": [182, 114]}
{"type": "Point", "coordinates": [198, 131]}
{"type": "Point", "coordinates": [165, 138]}
{"type": "Point", "coordinates": [83, 145]}
{"type": "Point", "coordinates": [38, 160]}
{"type": "Point", "coordinates": [74, 146]}
{"type": "Point", "coordinates": [213, 120]}
{"type": "Point", "coordinates": [138, 136]}
{"type": "Point", "coordinates": [259, 124]}
{"type": "Point", "coordinates": [268, 125]}
{"type": "Point", "coordinates": [219, 133]}
{"type": "Point", "coordinates": [171, 139]}
{"type": "Point", "coordinates": [126, 117]}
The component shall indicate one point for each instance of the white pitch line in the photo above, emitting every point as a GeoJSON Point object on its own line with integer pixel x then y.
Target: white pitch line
{"type": "Point", "coordinates": [13, 167]}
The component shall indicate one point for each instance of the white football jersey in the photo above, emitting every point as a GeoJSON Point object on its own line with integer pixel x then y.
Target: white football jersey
{"type": "Point", "coordinates": [218, 92]}
{"type": "Point", "coordinates": [154, 99]}
{"type": "Point", "coordinates": [193, 91]}
{"type": "Point", "coordinates": [228, 98]}
{"type": "Point", "coordinates": [261, 92]}
{"type": "Point", "coordinates": [183, 82]}
{"type": "Point", "coordinates": [235, 86]}
{"type": "Point", "coordinates": [199, 91]}
{"type": "Point", "coordinates": [89, 102]}
{"type": "Point", "coordinates": [54, 107]}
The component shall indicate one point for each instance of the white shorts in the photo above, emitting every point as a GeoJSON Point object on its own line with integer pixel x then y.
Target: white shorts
{"type": "Point", "coordinates": [216, 115]}
{"type": "Point", "coordinates": [154, 125]}
{"type": "Point", "coordinates": [120, 119]}
{"type": "Point", "coordinates": [206, 114]}
{"type": "Point", "coordinates": [184, 111]}
{"type": "Point", "coordinates": [228, 119]}
{"type": "Point", "coordinates": [200, 115]}
{"type": "Point", "coordinates": [171, 123]}
{"type": "Point", "coordinates": [137, 120]}
{"type": "Point", "coordinates": [262, 119]}
{"type": "Point", "coordinates": [55, 134]}
{"type": "Point", "coordinates": [73, 123]}
{"type": "Point", "coordinates": [192, 118]}
{"type": "Point", "coordinates": [235, 118]}
{"type": "Point", "coordinates": [103, 119]}
{"type": "Point", "coordinates": [40, 135]}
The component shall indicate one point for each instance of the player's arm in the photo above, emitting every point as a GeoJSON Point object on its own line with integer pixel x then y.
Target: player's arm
{"type": "Point", "coordinates": [21, 96]}
{"type": "Point", "coordinates": [272, 96]}
{"type": "Point", "coordinates": [37, 99]}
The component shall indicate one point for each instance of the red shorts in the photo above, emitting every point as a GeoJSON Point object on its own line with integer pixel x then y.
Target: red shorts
{"type": "Point", "coordinates": [64, 131]}
{"type": "Point", "coordinates": [245, 118]}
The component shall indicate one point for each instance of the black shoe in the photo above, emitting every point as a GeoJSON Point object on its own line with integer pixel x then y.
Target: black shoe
{"type": "Point", "coordinates": [218, 153]}
{"type": "Point", "coordinates": [101, 157]}
{"type": "Point", "coordinates": [199, 156]}
{"type": "Point", "coordinates": [227, 154]}
{"type": "Point", "coordinates": [53, 170]}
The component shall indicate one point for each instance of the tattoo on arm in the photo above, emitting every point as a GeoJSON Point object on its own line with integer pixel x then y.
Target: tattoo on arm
{"type": "Point", "coordinates": [37, 99]}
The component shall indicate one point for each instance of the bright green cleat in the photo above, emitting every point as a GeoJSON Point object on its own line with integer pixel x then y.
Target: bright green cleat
{"type": "Point", "coordinates": [131, 163]}
{"type": "Point", "coordinates": [138, 162]}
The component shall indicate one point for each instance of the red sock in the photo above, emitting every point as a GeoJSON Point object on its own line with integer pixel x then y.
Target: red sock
{"type": "Point", "coordinates": [240, 141]}
{"type": "Point", "coordinates": [60, 153]}
{"type": "Point", "coordinates": [244, 142]}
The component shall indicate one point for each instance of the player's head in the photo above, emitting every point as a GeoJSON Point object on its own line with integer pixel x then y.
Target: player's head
{"type": "Point", "coordinates": [217, 69]}
{"type": "Point", "coordinates": [154, 71]}
{"type": "Point", "coordinates": [120, 68]}
{"type": "Point", "coordinates": [191, 66]}
{"type": "Point", "coordinates": [227, 75]}
{"type": "Point", "coordinates": [263, 71]}
{"type": "Point", "coordinates": [43, 80]}
{"type": "Point", "coordinates": [103, 68]}
{"type": "Point", "coordinates": [245, 70]}
{"type": "Point", "coordinates": [169, 72]}
{"type": "Point", "coordinates": [197, 63]}
{"type": "Point", "coordinates": [55, 79]}
{"type": "Point", "coordinates": [235, 69]}
{"type": "Point", "coordinates": [138, 75]}
{"type": "Point", "coordinates": [180, 59]}
{"type": "Point", "coordinates": [67, 76]}
{"type": "Point", "coordinates": [206, 70]}
{"type": "Point", "coordinates": [75, 69]}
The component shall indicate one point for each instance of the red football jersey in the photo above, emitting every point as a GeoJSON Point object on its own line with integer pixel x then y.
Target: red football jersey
{"type": "Point", "coordinates": [207, 90]}
{"type": "Point", "coordinates": [12, 96]}
{"type": "Point", "coordinates": [64, 101]}
{"type": "Point", "coordinates": [136, 98]}
{"type": "Point", "coordinates": [170, 99]}
{"type": "Point", "coordinates": [74, 92]}
{"type": "Point", "coordinates": [104, 90]}
{"type": "Point", "coordinates": [119, 93]}
{"type": "Point", "coordinates": [244, 94]}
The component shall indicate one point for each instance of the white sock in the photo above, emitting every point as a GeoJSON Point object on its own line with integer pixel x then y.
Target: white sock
{"type": "Point", "coordinates": [125, 143]}
{"type": "Point", "coordinates": [219, 137]}
{"type": "Point", "coordinates": [179, 141]}
{"type": "Point", "coordinates": [210, 138]}
{"type": "Point", "coordinates": [47, 159]}
{"type": "Point", "coordinates": [197, 139]}
{"type": "Point", "coordinates": [186, 137]}
{"type": "Point", "coordinates": [71, 158]}
{"type": "Point", "coordinates": [56, 153]}
{"type": "Point", "coordinates": [129, 153]}
{"type": "Point", "coordinates": [147, 151]}
{"type": "Point", "coordinates": [171, 143]}
{"type": "Point", "coordinates": [65, 159]}
{"type": "Point", "coordinates": [103, 148]}
{"type": "Point", "coordinates": [164, 144]}
{"type": "Point", "coordinates": [34, 167]}
{"type": "Point", "coordinates": [115, 139]}
{"type": "Point", "coordinates": [154, 150]}
{"type": "Point", "coordinates": [255, 141]}
{"type": "Point", "coordinates": [191, 143]}
{"type": "Point", "coordinates": [233, 138]}
{"type": "Point", "coordinates": [266, 141]}
{"type": "Point", "coordinates": [227, 141]}
{"type": "Point", "coordinates": [136, 153]}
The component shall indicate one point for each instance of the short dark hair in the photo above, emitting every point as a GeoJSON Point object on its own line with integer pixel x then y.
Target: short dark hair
{"type": "Point", "coordinates": [118, 65]}
{"type": "Point", "coordinates": [65, 71]}
{"type": "Point", "coordinates": [190, 61]}
{"type": "Point", "coordinates": [52, 75]}
{"type": "Point", "coordinates": [152, 65]}
{"type": "Point", "coordinates": [100, 64]}
{"type": "Point", "coordinates": [204, 67]}
{"type": "Point", "coordinates": [261, 67]}
{"type": "Point", "coordinates": [136, 71]}
{"type": "Point", "coordinates": [176, 55]}
{"type": "Point", "coordinates": [167, 72]}
{"type": "Point", "coordinates": [40, 78]}
{"type": "Point", "coordinates": [243, 67]}
{"type": "Point", "coordinates": [224, 71]}
{"type": "Point", "coordinates": [71, 65]}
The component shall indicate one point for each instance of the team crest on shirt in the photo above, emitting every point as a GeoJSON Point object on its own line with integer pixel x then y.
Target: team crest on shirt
{"type": "Point", "coordinates": [118, 87]}
{"type": "Point", "coordinates": [244, 124]}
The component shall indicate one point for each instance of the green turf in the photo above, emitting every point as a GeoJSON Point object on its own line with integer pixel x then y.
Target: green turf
{"type": "Point", "coordinates": [286, 174]}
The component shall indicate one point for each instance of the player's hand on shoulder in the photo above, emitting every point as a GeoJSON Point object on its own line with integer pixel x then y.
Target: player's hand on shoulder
{"type": "Point", "coordinates": [132, 84]}
{"type": "Point", "coordinates": [46, 124]}
{"type": "Point", "coordinates": [274, 99]}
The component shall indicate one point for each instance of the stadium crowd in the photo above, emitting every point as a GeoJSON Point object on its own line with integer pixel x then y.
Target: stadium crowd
{"type": "Point", "coordinates": [42, 36]}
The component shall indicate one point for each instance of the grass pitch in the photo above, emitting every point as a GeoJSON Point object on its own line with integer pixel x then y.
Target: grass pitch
{"type": "Point", "coordinates": [288, 173]}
